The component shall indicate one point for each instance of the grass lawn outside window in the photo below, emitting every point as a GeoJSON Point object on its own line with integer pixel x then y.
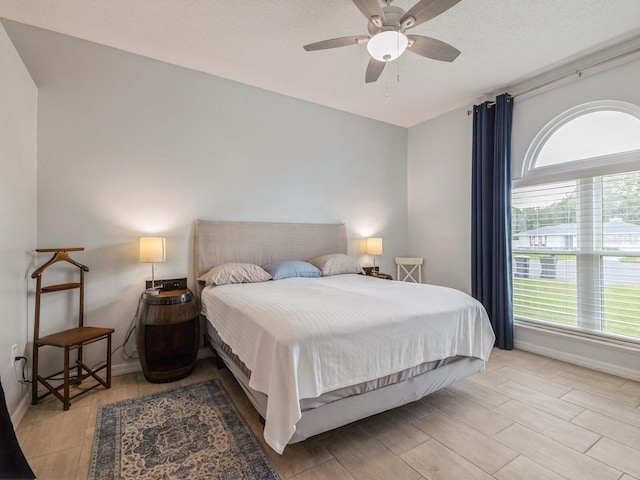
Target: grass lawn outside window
{"type": "Point", "coordinates": [556, 301]}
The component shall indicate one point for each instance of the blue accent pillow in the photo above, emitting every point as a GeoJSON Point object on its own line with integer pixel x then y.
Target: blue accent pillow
{"type": "Point", "coordinates": [291, 268]}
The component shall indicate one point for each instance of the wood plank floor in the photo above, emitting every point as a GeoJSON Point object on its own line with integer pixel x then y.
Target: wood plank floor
{"type": "Point", "coordinates": [524, 417]}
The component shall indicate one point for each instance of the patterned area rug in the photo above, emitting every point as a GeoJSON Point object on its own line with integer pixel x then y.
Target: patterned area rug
{"type": "Point", "coordinates": [193, 432]}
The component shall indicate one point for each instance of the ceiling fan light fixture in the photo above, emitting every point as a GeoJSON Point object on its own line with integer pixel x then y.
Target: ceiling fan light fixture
{"type": "Point", "coordinates": [387, 46]}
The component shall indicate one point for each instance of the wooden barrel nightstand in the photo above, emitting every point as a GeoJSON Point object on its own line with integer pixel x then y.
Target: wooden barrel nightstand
{"type": "Point", "coordinates": [168, 334]}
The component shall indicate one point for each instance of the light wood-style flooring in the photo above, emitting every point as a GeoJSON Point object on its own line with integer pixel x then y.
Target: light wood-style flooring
{"type": "Point", "coordinates": [524, 417]}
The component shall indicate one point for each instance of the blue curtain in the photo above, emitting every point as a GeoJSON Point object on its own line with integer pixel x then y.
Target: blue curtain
{"type": "Point", "coordinates": [491, 215]}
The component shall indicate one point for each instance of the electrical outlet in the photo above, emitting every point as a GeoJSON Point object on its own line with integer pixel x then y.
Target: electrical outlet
{"type": "Point", "coordinates": [14, 354]}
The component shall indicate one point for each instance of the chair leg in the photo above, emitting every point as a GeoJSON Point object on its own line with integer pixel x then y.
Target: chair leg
{"type": "Point", "coordinates": [65, 397]}
{"type": "Point", "coordinates": [79, 368]}
{"type": "Point", "coordinates": [109, 361]}
{"type": "Point", "coordinates": [34, 375]}
{"type": "Point", "coordinates": [66, 379]}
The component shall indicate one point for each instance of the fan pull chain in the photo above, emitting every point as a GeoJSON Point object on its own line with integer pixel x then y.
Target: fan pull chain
{"type": "Point", "coordinates": [387, 95]}
{"type": "Point", "coordinates": [398, 60]}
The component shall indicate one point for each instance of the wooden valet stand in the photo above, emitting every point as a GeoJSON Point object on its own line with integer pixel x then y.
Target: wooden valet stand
{"type": "Point", "coordinates": [72, 339]}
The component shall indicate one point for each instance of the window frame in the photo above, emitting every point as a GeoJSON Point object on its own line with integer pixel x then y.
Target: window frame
{"type": "Point", "coordinates": [581, 171]}
{"type": "Point", "coordinates": [594, 166]}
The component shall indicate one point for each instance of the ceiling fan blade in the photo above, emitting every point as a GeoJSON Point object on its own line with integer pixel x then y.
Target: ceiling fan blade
{"type": "Point", "coordinates": [425, 10]}
{"type": "Point", "coordinates": [371, 9]}
{"type": "Point", "coordinates": [432, 48]}
{"type": "Point", "coordinates": [337, 42]}
{"type": "Point", "coordinates": [374, 69]}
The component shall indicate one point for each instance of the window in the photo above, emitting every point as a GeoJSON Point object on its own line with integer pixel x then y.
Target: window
{"type": "Point", "coordinates": [576, 223]}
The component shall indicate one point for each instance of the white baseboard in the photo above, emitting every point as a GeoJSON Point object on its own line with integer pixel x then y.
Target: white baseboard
{"type": "Point", "coordinates": [204, 353]}
{"type": "Point", "coordinates": [125, 368]}
{"type": "Point", "coordinates": [134, 365]}
{"type": "Point", "coordinates": [598, 355]}
{"type": "Point", "coordinates": [19, 412]}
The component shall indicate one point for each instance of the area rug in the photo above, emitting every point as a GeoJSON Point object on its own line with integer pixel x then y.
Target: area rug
{"type": "Point", "coordinates": [193, 432]}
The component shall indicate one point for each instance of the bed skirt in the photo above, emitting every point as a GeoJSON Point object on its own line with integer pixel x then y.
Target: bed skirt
{"type": "Point", "coordinates": [355, 407]}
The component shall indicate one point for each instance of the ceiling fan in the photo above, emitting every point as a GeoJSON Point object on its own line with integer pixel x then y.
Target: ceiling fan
{"type": "Point", "coordinates": [387, 39]}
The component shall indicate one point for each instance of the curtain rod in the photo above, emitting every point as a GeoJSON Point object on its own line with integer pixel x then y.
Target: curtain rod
{"type": "Point", "coordinates": [576, 72]}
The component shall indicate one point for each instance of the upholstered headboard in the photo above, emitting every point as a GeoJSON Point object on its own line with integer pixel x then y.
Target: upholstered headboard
{"type": "Point", "coordinates": [261, 243]}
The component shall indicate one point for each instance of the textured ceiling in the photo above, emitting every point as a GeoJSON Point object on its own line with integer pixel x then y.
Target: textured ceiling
{"type": "Point", "coordinates": [259, 43]}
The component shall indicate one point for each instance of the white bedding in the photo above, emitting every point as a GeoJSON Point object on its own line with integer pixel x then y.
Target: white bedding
{"type": "Point", "coordinates": [302, 337]}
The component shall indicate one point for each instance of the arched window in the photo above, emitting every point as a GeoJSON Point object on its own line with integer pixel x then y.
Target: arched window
{"type": "Point", "coordinates": [576, 223]}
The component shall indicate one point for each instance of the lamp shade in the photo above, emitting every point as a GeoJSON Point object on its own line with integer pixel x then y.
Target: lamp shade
{"type": "Point", "coordinates": [374, 246]}
{"type": "Point", "coordinates": [152, 249]}
{"type": "Point", "coordinates": [387, 46]}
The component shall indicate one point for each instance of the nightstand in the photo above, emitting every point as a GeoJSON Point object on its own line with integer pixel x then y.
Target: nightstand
{"type": "Point", "coordinates": [168, 334]}
{"type": "Point", "coordinates": [370, 272]}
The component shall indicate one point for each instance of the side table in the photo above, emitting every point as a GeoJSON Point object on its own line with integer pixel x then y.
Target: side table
{"type": "Point", "coordinates": [384, 276]}
{"type": "Point", "coordinates": [370, 272]}
{"type": "Point", "coordinates": [168, 335]}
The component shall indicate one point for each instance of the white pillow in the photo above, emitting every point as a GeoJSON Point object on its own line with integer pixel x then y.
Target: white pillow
{"type": "Point", "coordinates": [336, 264]}
{"type": "Point", "coordinates": [234, 273]}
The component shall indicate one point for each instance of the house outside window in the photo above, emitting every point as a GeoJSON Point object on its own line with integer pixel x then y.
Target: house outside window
{"type": "Point", "coordinates": [576, 223]}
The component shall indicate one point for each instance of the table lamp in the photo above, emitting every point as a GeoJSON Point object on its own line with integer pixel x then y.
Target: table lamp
{"type": "Point", "coordinates": [374, 247]}
{"type": "Point", "coordinates": [152, 250]}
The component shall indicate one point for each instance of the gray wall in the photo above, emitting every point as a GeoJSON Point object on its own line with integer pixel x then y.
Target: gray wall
{"type": "Point", "coordinates": [129, 146]}
{"type": "Point", "coordinates": [18, 114]}
{"type": "Point", "coordinates": [439, 189]}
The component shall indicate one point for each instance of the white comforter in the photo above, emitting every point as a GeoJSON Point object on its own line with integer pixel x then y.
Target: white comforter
{"type": "Point", "coordinates": [302, 337]}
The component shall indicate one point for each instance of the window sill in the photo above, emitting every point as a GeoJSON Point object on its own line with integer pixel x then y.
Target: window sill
{"type": "Point", "coordinates": [573, 332]}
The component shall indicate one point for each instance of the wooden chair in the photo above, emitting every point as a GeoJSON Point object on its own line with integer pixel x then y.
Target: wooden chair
{"type": "Point", "coordinates": [408, 267]}
{"type": "Point", "coordinates": [72, 339]}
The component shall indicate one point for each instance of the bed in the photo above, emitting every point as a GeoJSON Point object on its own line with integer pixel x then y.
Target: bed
{"type": "Point", "coordinates": [313, 354]}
